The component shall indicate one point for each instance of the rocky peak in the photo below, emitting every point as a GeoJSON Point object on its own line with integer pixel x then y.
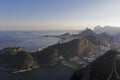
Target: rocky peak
{"type": "Point", "coordinates": [87, 32]}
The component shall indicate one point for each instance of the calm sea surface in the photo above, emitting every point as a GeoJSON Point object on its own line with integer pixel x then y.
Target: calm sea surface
{"type": "Point", "coordinates": [32, 40]}
{"type": "Point", "coordinates": [43, 73]}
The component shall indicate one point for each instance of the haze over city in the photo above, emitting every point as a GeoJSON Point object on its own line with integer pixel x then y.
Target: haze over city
{"type": "Point", "coordinates": [58, 14]}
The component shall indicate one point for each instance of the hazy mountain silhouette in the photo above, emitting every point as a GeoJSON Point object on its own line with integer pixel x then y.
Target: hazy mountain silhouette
{"type": "Point", "coordinates": [105, 36]}
{"type": "Point", "coordinates": [86, 32]}
{"type": "Point", "coordinates": [108, 29]}
{"type": "Point", "coordinates": [93, 37]}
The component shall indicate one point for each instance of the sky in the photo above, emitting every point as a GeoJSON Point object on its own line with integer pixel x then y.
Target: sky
{"type": "Point", "coordinates": [58, 14]}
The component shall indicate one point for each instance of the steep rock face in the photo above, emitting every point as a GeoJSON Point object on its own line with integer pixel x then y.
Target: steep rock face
{"type": "Point", "coordinates": [105, 67]}
{"type": "Point", "coordinates": [77, 47]}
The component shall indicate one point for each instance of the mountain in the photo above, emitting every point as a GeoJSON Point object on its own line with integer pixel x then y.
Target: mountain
{"type": "Point", "coordinates": [96, 39]}
{"type": "Point", "coordinates": [86, 32]}
{"type": "Point", "coordinates": [105, 36]}
{"type": "Point", "coordinates": [98, 29]}
{"type": "Point", "coordinates": [106, 67]}
{"type": "Point", "coordinates": [64, 51]}
{"type": "Point", "coordinates": [66, 34]}
{"type": "Point", "coordinates": [68, 53]}
{"type": "Point", "coordinates": [108, 29]}
{"type": "Point", "coordinates": [93, 39]}
{"type": "Point", "coordinates": [16, 58]}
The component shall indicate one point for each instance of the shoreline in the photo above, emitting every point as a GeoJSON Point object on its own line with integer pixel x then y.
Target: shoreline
{"type": "Point", "coordinates": [25, 70]}
{"type": "Point", "coordinates": [17, 70]}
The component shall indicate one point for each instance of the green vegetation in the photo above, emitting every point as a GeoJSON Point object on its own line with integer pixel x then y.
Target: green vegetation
{"type": "Point", "coordinates": [22, 60]}
{"type": "Point", "coordinates": [16, 57]}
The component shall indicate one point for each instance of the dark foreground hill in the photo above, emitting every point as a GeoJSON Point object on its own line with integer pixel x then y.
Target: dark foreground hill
{"type": "Point", "coordinates": [78, 47]}
{"type": "Point", "coordinates": [16, 58]}
{"type": "Point", "coordinates": [106, 67]}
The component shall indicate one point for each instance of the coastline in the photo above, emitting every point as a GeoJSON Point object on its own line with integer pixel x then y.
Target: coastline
{"type": "Point", "coordinates": [17, 70]}
{"type": "Point", "coordinates": [25, 70]}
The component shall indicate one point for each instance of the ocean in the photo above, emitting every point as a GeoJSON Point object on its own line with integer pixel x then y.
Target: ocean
{"type": "Point", "coordinates": [31, 40]}
{"type": "Point", "coordinates": [58, 72]}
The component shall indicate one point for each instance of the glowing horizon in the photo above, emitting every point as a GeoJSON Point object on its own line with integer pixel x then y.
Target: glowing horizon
{"type": "Point", "coordinates": [58, 15]}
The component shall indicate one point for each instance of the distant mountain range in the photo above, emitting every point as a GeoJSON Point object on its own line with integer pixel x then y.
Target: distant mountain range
{"type": "Point", "coordinates": [86, 32]}
{"type": "Point", "coordinates": [106, 67]}
{"type": "Point", "coordinates": [90, 34]}
{"type": "Point", "coordinates": [108, 29]}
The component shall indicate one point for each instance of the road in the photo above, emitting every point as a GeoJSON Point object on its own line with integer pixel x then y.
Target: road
{"type": "Point", "coordinates": [114, 74]}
